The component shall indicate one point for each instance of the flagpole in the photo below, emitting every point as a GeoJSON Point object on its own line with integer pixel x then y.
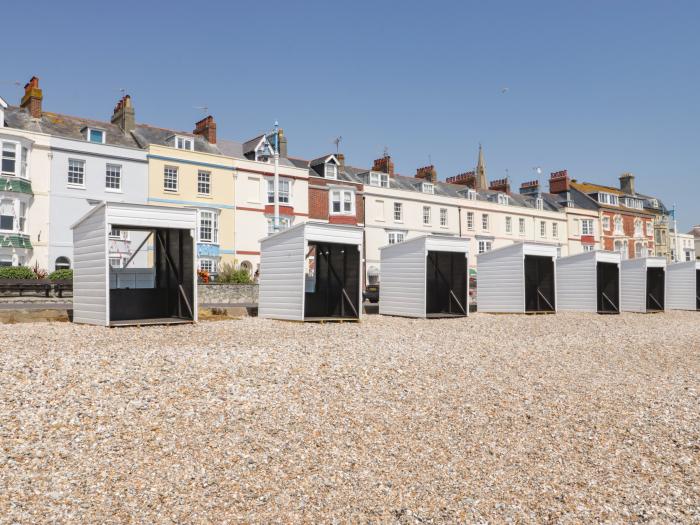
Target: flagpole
{"type": "Point", "coordinates": [276, 223]}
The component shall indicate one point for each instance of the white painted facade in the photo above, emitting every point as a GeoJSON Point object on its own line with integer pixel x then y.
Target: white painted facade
{"type": "Point", "coordinates": [25, 214]}
{"type": "Point", "coordinates": [501, 277]}
{"type": "Point", "coordinates": [403, 276]}
{"type": "Point", "coordinates": [91, 266]}
{"type": "Point", "coordinates": [577, 280]}
{"type": "Point", "coordinates": [71, 199]}
{"type": "Point", "coordinates": [254, 214]}
{"type": "Point", "coordinates": [633, 278]}
{"type": "Point", "coordinates": [283, 267]}
{"type": "Point", "coordinates": [682, 285]}
{"type": "Point", "coordinates": [582, 227]}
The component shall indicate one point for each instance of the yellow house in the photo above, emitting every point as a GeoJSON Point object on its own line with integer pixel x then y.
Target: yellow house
{"type": "Point", "coordinates": [187, 169]}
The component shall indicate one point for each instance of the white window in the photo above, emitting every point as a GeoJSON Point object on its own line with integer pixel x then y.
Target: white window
{"type": "Point", "coordinates": [113, 177]}
{"type": "Point", "coordinates": [398, 212]}
{"type": "Point", "coordinates": [25, 153]}
{"type": "Point", "coordinates": [521, 225]}
{"type": "Point", "coordinates": [342, 202]}
{"type": "Point", "coordinates": [331, 170]}
{"type": "Point", "coordinates": [470, 220]}
{"type": "Point", "coordinates": [208, 227]}
{"type": "Point", "coordinates": [485, 221]}
{"type": "Point", "coordinates": [22, 216]}
{"type": "Point", "coordinates": [184, 143]}
{"type": "Point", "coordinates": [7, 215]}
{"type": "Point", "coordinates": [283, 191]}
{"type": "Point", "coordinates": [555, 230]}
{"type": "Point", "coordinates": [637, 228]}
{"type": "Point", "coordinates": [638, 250]}
{"type": "Point", "coordinates": [509, 225]}
{"type": "Point", "coordinates": [284, 222]}
{"type": "Point", "coordinates": [471, 195]}
{"type": "Point", "coordinates": [606, 223]}
{"type": "Point", "coordinates": [608, 198]}
{"type": "Point", "coordinates": [586, 226]}
{"type": "Point", "coordinates": [116, 233]}
{"type": "Point", "coordinates": [502, 198]}
{"type": "Point", "coordinates": [588, 247]}
{"type": "Point", "coordinates": [618, 224]}
{"type": "Point", "coordinates": [76, 172]}
{"type": "Point", "coordinates": [115, 262]}
{"type": "Point", "coordinates": [428, 187]}
{"type": "Point", "coordinates": [203, 182]}
{"type": "Point", "coordinates": [543, 229]}
{"type": "Point", "coordinates": [539, 203]}
{"type": "Point", "coordinates": [443, 217]}
{"type": "Point", "coordinates": [170, 179]}
{"type": "Point", "coordinates": [650, 229]}
{"type": "Point", "coordinates": [484, 246]}
{"type": "Point", "coordinates": [9, 158]}
{"type": "Point", "coordinates": [396, 237]}
{"type": "Point", "coordinates": [208, 265]}
{"type": "Point", "coordinates": [379, 179]}
{"type": "Point", "coordinates": [96, 135]}
{"type": "Point", "coordinates": [426, 215]}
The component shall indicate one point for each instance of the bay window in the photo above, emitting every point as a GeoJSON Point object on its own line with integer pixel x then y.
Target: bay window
{"type": "Point", "coordinates": [9, 158]}
{"type": "Point", "coordinates": [7, 215]}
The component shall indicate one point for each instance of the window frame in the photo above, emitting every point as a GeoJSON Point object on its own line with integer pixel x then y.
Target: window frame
{"type": "Point", "coordinates": [283, 196]}
{"type": "Point", "coordinates": [427, 217]}
{"type": "Point", "coordinates": [185, 140]}
{"type": "Point", "coordinates": [176, 178]}
{"type": "Point", "coordinates": [509, 224]}
{"type": "Point", "coordinates": [96, 130]}
{"type": "Point", "coordinates": [428, 187]}
{"type": "Point", "coordinates": [395, 235]}
{"type": "Point", "coordinates": [200, 183]}
{"type": "Point", "coordinates": [212, 216]}
{"type": "Point", "coordinates": [398, 207]}
{"type": "Point", "coordinates": [543, 229]}
{"type": "Point", "coordinates": [555, 230]}
{"type": "Point", "coordinates": [70, 184]}
{"type": "Point", "coordinates": [587, 227]}
{"type": "Point", "coordinates": [470, 220]}
{"type": "Point", "coordinates": [15, 159]}
{"type": "Point", "coordinates": [521, 226]}
{"type": "Point", "coordinates": [342, 193]}
{"type": "Point", "coordinates": [334, 169]}
{"type": "Point", "coordinates": [116, 168]}
{"type": "Point", "coordinates": [485, 222]}
{"type": "Point", "coordinates": [444, 217]}
{"type": "Point", "coordinates": [484, 246]}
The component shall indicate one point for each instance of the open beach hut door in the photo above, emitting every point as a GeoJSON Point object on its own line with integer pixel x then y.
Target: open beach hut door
{"type": "Point", "coordinates": [446, 283]}
{"type": "Point", "coordinates": [332, 281]}
{"type": "Point", "coordinates": [539, 284]}
{"type": "Point", "coordinates": [608, 281]}
{"type": "Point", "coordinates": [655, 289]}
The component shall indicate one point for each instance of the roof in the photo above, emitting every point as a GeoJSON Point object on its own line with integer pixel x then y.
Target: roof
{"type": "Point", "coordinates": [66, 126]}
{"type": "Point", "coordinates": [3, 104]}
{"type": "Point", "coordinates": [146, 134]}
{"type": "Point", "coordinates": [587, 187]}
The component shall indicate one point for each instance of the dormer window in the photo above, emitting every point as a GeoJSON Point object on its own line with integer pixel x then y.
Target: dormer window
{"type": "Point", "coordinates": [95, 135]}
{"type": "Point", "coordinates": [608, 198]}
{"type": "Point", "coordinates": [539, 203]}
{"type": "Point", "coordinates": [264, 152]}
{"type": "Point", "coordinates": [502, 198]}
{"type": "Point", "coordinates": [378, 179]}
{"type": "Point", "coordinates": [471, 195]}
{"type": "Point", "coordinates": [184, 143]}
{"type": "Point", "coordinates": [428, 187]}
{"type": "Point", "coordinates": [331, 170]}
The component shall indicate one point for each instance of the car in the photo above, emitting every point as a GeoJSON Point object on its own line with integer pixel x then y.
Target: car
{"type": "Point", "coordinates": [371, 293]}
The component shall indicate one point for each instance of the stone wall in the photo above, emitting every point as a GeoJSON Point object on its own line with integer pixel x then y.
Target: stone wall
{"type": "Point", "coordinates": [227, 294]}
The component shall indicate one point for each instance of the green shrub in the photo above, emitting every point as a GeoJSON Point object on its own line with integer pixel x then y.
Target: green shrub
{"type": "Point", "coordinates": [61, 275]}
{"type": "Point", "coordinates": [16, 272]}
{"type": "Point", "coordinates": [229, 274]}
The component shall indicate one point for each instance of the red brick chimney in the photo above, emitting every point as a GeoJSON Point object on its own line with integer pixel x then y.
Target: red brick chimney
{"type": "Point", "coordinates": [385, 165]}
{"type": "Point", "coordinates": [428, 173]}
{"type": "Point", "coordinates": [31, 101]}
{"type": "Point", "coordinates": [467, 179]}
{"type": "Point", "coordinates": [559, 182]}
{"type": "Point", "coordinates": [500, 185]}
{"type": "Point", "coordinates": [531, 187]}
{"type": "Point", "coordinates": [123, 115]}
{"type": "Point", "coordinates": [341, 161]}
{"type": "Point", "coordinates": [207, 129]}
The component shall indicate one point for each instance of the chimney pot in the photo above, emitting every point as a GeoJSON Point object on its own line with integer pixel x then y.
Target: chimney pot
{"type": "Point", "coordinates": [559, 182]}
{"type": "Point", "coordinates": [467, 179]}
{"type": "Point", "coordinates": [502, 185]}
{"type": "Point", "coordinates": [123, 115]}
{"type": "Point", "coordinates": [33, 96]}
{"type": "Point", "coordinates": [206, 128]}
{"type": "Point", "coordinates": [384, 165]}
{"type": "Point", "coordinates": [427, 173]}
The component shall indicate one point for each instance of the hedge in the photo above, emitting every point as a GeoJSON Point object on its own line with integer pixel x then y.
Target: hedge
{"type": "Point", "coordinates": [16, 272]}
{"type": "Point", "coordinates": [64, 274]}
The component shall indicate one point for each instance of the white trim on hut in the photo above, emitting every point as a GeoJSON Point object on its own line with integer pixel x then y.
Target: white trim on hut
{"type": "Point", "coordinates": [683, 286]}
{"type": "Point", "coordinates": [501, 278]}
{"type": "Point", "coordinates": [405, 284]}
{"type": "Point", "coordinates": [580, 278]}
{"type": "Point", "coordinates": [292, 274]}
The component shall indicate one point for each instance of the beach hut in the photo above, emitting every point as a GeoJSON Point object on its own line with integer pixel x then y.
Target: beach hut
{"type": "Point", "coordinates": [519, 278]}
{"type": "Point", "coordinates": [424, 277]}
{"type": "Point", "coordinates": [589, 282]}
{"type": "Point", "coordinates": [311, 272]}
{"type": "Point", "coordinates": [683, 286]}
{"type": "Point", "coordinates": [643, 285]}
{"type": "Point", "coordinates": [163, 292]}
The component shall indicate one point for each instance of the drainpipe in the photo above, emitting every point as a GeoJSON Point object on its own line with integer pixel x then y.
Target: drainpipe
{"type": "Point", "coordinates": [276, 220]}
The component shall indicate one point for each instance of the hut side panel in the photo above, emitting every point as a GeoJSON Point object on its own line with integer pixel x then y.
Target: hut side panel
{"type": "Point", "coordinates": [150, 217]}
{"type": "Point", "coordinates": [501, 282]}
{"type": "Point", "coordinates": [402, 278]}
{"type": "Point", "coordinates": [90, 271]}
{"type": "Point", "coordinates": [576, 284]}
{"type": "Point", "coordinates": [281, 294]}
{"type": "Point", "coordinates": [634, 286]}
{"type": "Point", "coordinates": [681, 286]}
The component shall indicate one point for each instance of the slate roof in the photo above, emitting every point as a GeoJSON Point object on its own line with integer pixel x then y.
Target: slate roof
{"type": "Point", "coordinates": [145, 135]}
{"type": "Point", "coordinates": [66, 126]}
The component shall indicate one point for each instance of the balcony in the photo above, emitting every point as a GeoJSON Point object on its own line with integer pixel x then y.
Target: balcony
{"type": "Point", "coordinates": [15, 240]}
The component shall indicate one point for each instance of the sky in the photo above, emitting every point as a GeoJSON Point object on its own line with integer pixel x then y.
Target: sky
{"type": "Point", "coordinates": [594, 87]}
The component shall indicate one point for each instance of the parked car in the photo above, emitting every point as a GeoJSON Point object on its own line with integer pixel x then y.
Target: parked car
{"type": "Point", "coordinates": [371, 293]}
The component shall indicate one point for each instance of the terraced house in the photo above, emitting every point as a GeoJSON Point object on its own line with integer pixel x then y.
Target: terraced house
{"type": "Point", "coordinates": [64, 165]}
{"type": "Point", "coordinates": [188, 169]}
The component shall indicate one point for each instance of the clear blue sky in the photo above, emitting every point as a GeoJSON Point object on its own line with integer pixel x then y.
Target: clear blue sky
{"type": "Point", "coordinates": [595, 87]}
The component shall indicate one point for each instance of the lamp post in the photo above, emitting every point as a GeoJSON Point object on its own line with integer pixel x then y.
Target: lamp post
{"type": "Point", "coordinates": [276, 219]}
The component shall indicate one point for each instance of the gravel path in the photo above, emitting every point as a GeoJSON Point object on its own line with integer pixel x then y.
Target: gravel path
{"type": "Point", "coordinates": [564, 418]}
